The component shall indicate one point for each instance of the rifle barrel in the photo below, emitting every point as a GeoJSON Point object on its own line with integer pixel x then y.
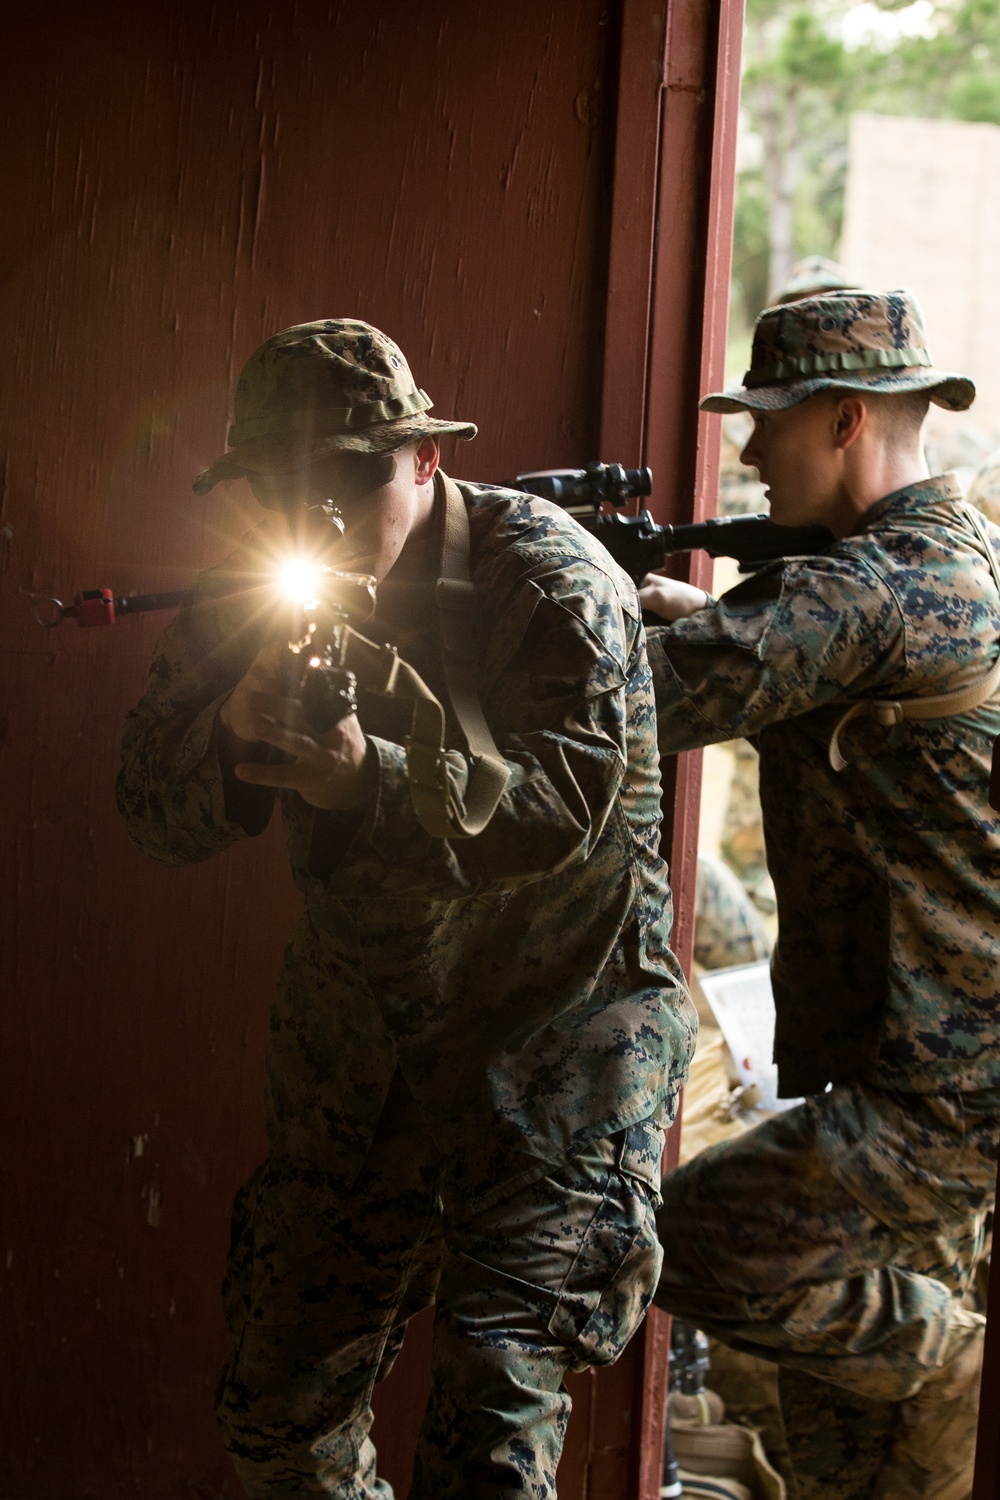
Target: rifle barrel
{"type": "Point", "coordinates": [134, 604]}
{"type": "Point", "coordinates": [750, 539]}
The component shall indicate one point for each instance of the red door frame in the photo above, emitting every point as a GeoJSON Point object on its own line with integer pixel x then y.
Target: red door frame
{"type": "Point", "coordinates": [665, 342]}
{"type": "Point", "coordinates": [668, 295]}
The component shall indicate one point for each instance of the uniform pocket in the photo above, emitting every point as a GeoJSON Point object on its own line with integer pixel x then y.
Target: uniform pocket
{"type": "Point", "coordinates": [641, 1157]}
{"type": "Point", "coordinates": [614, 1275]}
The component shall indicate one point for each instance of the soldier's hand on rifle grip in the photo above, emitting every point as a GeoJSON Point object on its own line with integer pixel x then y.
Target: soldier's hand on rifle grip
{"type": "Point", "coordinates": [670, 598]}
{"type": "Point", "coordinates": [327, 770]}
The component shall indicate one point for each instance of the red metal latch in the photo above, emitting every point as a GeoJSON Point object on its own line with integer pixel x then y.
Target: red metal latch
{"type": "Point", "coordinates": [94, 607]}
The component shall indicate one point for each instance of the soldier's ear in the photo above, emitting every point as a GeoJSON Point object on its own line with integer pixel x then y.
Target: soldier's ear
{"type": "Point", "coordinates": [850, 418]}
{"type": "Point", "coordinates": [427, 457]}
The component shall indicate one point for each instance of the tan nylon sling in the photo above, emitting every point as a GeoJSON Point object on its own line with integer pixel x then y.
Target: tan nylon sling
{"type": "Point", "coordinates": [382, 670]}
{"type": "Point", "coordinates": [888, 711]}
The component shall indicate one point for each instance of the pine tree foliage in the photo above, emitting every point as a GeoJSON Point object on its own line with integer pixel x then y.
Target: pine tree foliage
{"type": "Point", "coordinates": [803, 77]}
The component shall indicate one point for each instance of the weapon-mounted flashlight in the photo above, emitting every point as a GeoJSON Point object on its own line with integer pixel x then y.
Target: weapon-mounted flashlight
{"type": "Point", "coordinates": [299, 581]}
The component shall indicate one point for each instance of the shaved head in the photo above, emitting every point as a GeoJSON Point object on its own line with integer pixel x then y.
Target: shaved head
{"type": "Point", "coordinates": [898, 415]}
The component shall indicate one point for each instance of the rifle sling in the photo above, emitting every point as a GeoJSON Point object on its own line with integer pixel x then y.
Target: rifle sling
{"type": "Point", "coordinates": [382, 670]}
{"type": "Point", "coordinates": [888, 711]}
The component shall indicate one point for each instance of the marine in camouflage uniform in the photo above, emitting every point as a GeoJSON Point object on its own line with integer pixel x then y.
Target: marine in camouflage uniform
{"type": "Point", "coordinates": [837, 1238]}
{"type": "Point", "coordinates": [476, 1043]}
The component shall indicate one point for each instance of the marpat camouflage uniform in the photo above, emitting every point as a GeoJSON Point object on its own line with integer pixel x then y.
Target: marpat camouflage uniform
{"type": "Point", "coordinates": [832, 1238]}
{"type": "Point", "coordinates": [494, 1024]}
{"type": "Point", "coordinates": [835, 1239]}
{"type": "Point", "coordinates": [903, 838]}
{"type": "Point", "coordinates": [547, 1274]}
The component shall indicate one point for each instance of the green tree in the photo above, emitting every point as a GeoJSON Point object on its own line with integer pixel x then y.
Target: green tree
{"type": "Point", "coordinates": [794, 76]}
{"type": "Point", "coordinates": [801, 83]}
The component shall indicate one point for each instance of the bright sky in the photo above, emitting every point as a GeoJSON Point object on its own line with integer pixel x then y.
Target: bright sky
{"type": "Point", "coordinates": [866, 22]}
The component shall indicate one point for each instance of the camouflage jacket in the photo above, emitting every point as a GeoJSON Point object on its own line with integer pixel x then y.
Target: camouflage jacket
{"type": "Point", "coordinates": [521, 979]}
{"type": "Point", "coordinates": [887, 873]}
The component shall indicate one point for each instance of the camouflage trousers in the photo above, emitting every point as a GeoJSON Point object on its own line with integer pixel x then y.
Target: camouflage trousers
{"type": "Point", "coordinates": [836, 1240]}
{"type": "Point", "coordinates": [549, 1271]}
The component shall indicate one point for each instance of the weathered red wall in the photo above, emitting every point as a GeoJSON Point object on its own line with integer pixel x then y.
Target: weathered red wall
{"type": "Point", "coordinates": [181, 180]}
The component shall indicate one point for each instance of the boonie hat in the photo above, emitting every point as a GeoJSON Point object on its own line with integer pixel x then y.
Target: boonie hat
{"type": "Point", "coordinates": [858, 341]}
{"type": "Point", "coordinates": [333, 386]}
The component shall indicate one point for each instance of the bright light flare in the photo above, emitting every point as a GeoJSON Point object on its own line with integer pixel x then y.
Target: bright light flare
{"type": "Point", "coordinates": [299, 581]}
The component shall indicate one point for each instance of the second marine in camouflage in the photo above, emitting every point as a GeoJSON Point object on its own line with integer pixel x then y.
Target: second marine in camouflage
{"type": "Point", "coordinates": [837, 1238]}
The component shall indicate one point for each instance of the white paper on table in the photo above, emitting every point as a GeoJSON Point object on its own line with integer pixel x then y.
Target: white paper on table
{"type": "Point", "coordinates": [743, 1004]}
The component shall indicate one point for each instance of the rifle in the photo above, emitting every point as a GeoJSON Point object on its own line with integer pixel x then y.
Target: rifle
{"type": "Point", "coordinates": [317, 607]}
{"type": "Point", "coordinates": [639, 545]}
{"type": "Point", "coordinates": [313, 608]}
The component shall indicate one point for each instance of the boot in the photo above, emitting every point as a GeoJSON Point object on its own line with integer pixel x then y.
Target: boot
{"type": "Point", "coordinates": [933, 1451]}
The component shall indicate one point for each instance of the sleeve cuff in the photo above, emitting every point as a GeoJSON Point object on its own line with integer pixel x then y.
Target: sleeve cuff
{"type": "Point", "coordinates": [236, 808]}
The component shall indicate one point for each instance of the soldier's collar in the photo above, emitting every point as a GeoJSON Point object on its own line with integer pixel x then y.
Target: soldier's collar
{"type": "Point", "coordinates": [938, 488]}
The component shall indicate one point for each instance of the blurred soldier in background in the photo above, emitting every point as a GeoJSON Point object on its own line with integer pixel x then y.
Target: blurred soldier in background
{"type": "Point", "coordinates": [984, 490]}
{"type": "Point", "coordinates": [728, 927]}
{"type": "Point", "coordinates": [812, 276]}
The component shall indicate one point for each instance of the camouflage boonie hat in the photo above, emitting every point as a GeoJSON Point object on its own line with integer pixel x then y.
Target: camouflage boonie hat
{"type": "Point", "coordinates": [334, 386]}
{"type": "Point", "coordinates": [858, 341]}
{"type": "Point", "coordinates": [812, 276]}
